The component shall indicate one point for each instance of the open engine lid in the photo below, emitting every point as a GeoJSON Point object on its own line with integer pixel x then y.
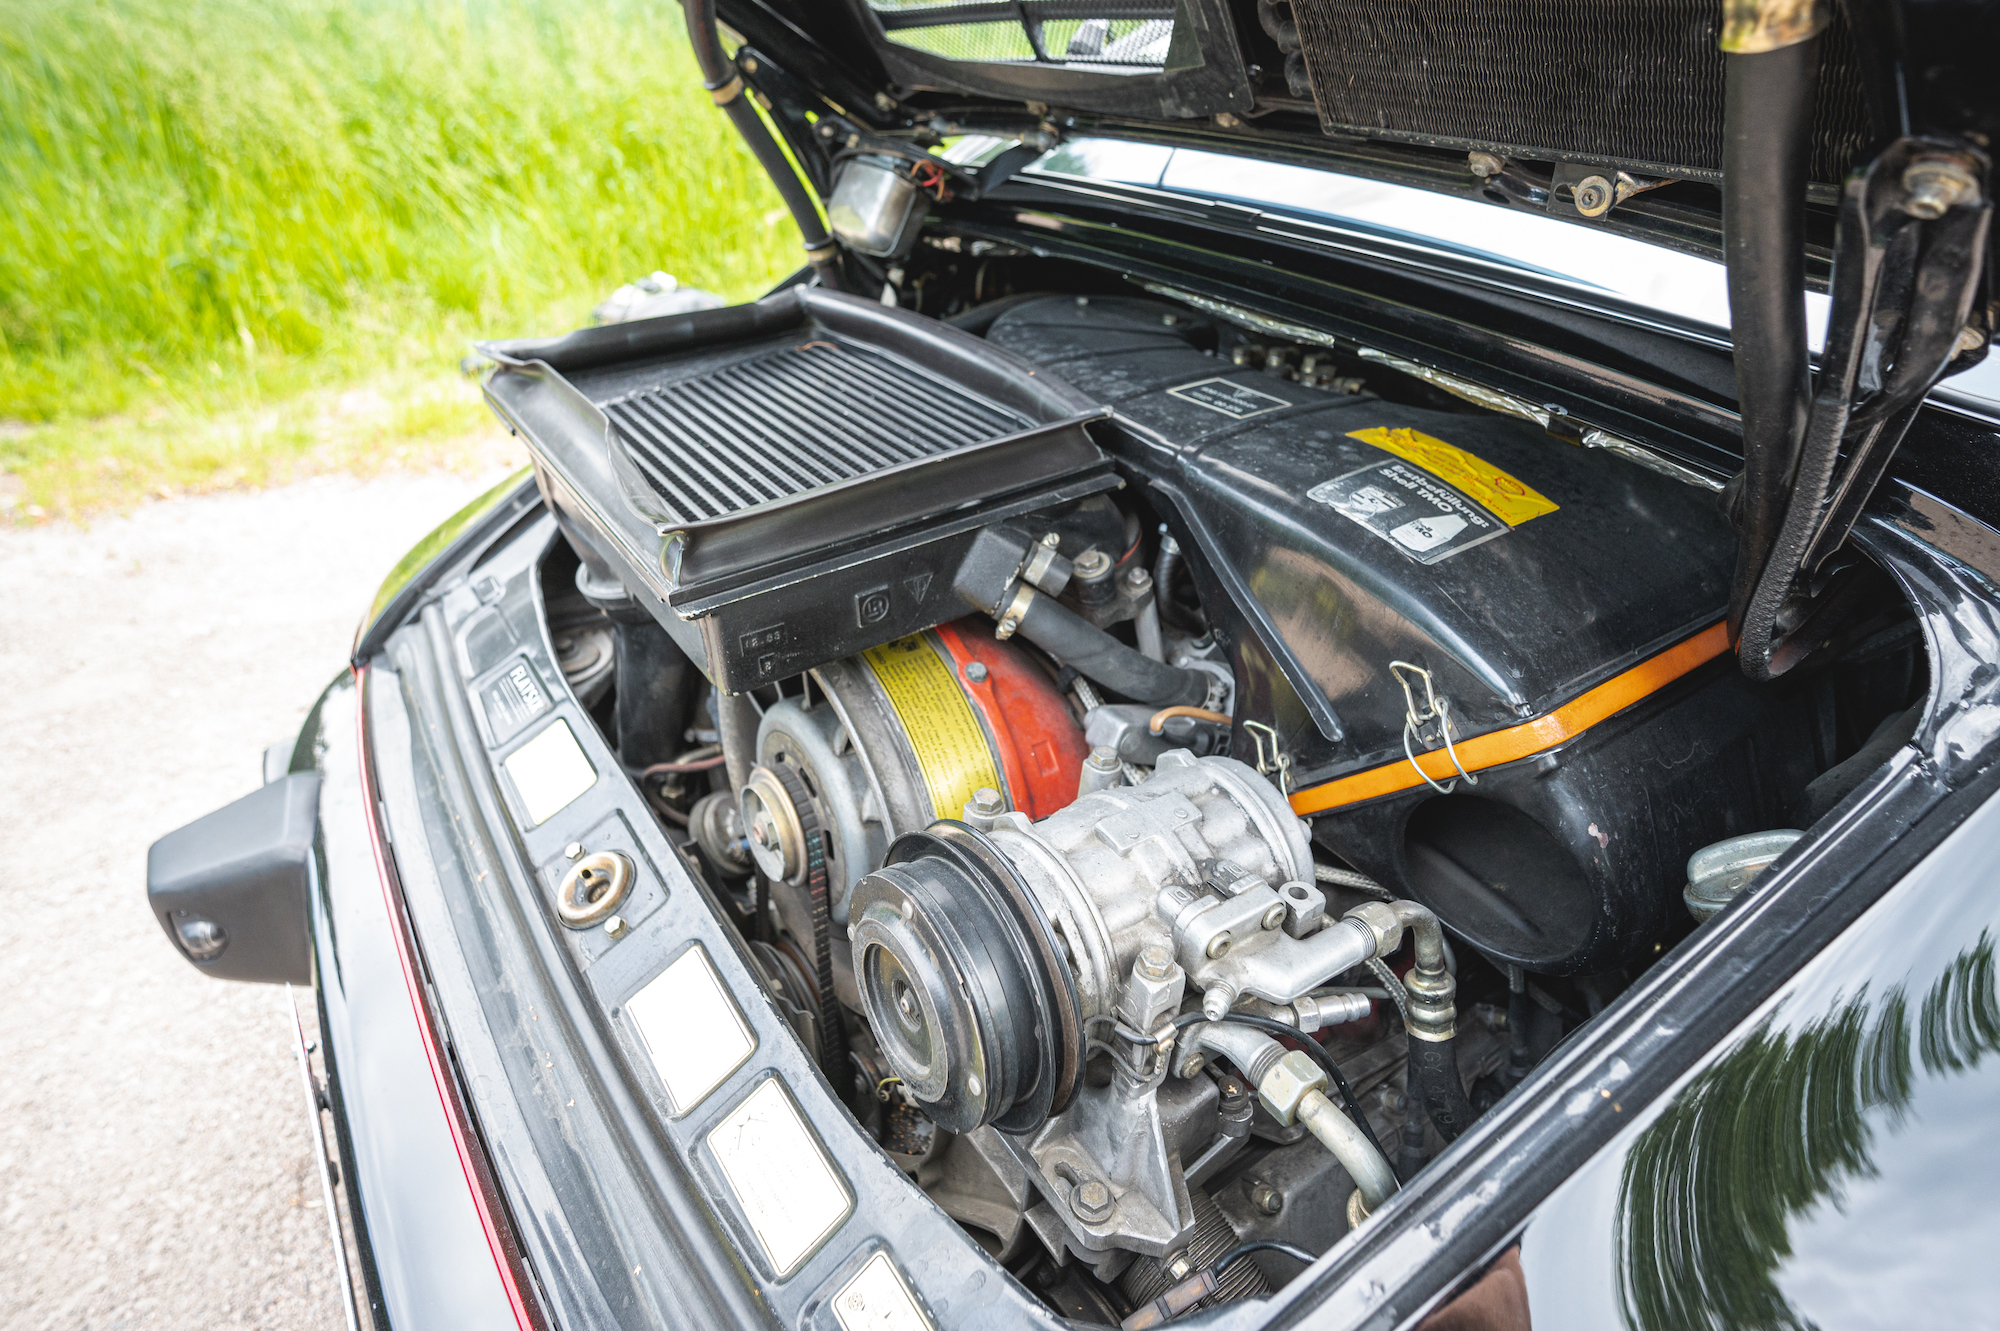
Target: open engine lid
{"type": "Point", "coordinates": [1633, 87]}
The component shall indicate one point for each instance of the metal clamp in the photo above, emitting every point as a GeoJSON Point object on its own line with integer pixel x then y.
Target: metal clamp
{"type": "Point", "coordinates": [1279, 762]}
{"type": "Point", "coordinates": [1416, 716]}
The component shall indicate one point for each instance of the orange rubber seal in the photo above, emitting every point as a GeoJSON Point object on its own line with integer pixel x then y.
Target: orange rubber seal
{"type": "Point", "coordinates": [1529, 738]}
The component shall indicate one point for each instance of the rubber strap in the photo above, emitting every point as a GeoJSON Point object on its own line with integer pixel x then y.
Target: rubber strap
{"type": "Point", "coordinates": [832, 1031]}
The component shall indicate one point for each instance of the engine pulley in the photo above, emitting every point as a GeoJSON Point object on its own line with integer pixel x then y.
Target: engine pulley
{"type": "Point", "coordinates": [959, 974]}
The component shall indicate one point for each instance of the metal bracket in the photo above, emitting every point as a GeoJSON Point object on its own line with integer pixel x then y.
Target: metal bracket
{"type": "Point", "coordinates": [1907, 267]}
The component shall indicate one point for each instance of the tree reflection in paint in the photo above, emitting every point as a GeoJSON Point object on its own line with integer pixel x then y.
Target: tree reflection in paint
{"type": "Point", "coordinates": [1778, 1124]}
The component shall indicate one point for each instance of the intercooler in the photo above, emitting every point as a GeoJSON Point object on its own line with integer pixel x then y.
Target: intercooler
{"type": "Point", "coordinates": [786, 483]}
{"type": "Point", "coordinates": [1636, 84]}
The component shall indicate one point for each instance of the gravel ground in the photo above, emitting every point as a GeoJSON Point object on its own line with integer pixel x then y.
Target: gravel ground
{"type": "Point", "coordinates": [155, 1163]}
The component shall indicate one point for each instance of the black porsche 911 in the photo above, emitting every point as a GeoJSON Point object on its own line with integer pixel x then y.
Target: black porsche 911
{"type": "Point", "coordinates": [1330, 664]}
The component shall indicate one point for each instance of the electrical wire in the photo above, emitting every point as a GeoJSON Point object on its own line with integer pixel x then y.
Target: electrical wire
{"type": "Point", "coordinates": [687, 762]}
{"type": "Point", "coordinates": [1314, 1050]}
{"type": "Point", "coordinates": [1291, 1250]}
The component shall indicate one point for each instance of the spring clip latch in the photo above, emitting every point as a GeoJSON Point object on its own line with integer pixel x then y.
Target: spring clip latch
{"type": "Point", "coordinates": [1416, 716]}
{"type": "Point", "coordinates": [1278, 762]}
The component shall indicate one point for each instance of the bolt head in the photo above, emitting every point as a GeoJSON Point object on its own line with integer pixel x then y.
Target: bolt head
{"type": "Point", "coordinates": [1191, 1064]}
{"type": "Point", "coordinates": [986, 802]}
{"type": "Point", "coordinates": [1104, 758]}
{"type": "Point", "coordinates": [1052, 539]}
{"type": "Point", "coordinates": [1090, 1199]}
{"type": "Point", "coordinates": [1267, 1199]}
{"type": "Point", "coordinates": [1219, 945]}
{"type": "Point", "coordinates": [1179, 1265]}
{"type": "Point", "coordinates": [1137, 578]}
{"type": "Point", "coordinates": [1594, 196]}
{"type": "Point", "coordinates": [1485, 165]}
{"type": "Point", "coordinates": [1092, 564]}
{"type": "Point", "coordinates": [573, 851]}
{"type": "Point", "coordinates": [1155, 962]}
{"type": "Point", "coordinates": [616, 927]}
{"type": "Point", "coordinates": [976, 672]}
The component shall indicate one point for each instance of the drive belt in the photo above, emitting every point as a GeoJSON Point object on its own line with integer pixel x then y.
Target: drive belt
{"type": "Point", "coordinates": [832, 1030]}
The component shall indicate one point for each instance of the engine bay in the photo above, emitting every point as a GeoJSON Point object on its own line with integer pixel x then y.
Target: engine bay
{"type": "Point", "coordinates": [1174, 775]}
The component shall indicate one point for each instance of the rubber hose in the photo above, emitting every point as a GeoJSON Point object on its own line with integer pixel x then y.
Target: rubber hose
{"type": "Point", "coordinates": [1766, 124]}
{"type": "Point", "coordinates": [1164, 567]}
{"type": "Point", "coordinates": [717, 72]}
{"type": "Point", "coordinates": [1076, 642]}
{"type": "Point", "coordinates": [1434, 1080]}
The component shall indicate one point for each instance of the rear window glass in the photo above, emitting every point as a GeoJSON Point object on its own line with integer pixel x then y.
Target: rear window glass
{"type": "Point", "coordinates": [1128, 37]}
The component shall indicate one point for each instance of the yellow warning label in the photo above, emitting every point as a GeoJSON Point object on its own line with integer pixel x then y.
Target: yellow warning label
{"type": "Point", "coordinates": [950, 746]}
{"type": "Point", "coordinates": [1503, 496]}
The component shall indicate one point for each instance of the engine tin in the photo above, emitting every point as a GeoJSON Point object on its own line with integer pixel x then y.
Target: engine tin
{"type": "Point", "coordinates": [1346, 532]}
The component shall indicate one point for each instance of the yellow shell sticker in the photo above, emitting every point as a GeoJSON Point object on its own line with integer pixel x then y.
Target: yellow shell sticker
{"type": "Point", "coordinates": [951, 747]}
{"type": "Point", "coordinates": [1479, 480]}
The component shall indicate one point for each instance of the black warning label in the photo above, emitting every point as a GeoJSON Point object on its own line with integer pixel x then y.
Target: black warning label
{"type": "Point", "coordinates": [1409, 508]}
{"type": "Point", "coordinates": [514, 699]}
{"type": "Point", "coordinates": [1232, 399]}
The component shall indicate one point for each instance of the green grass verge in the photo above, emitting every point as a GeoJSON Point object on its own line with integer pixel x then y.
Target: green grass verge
{"type": "Point", "coordinates": [222, 215]}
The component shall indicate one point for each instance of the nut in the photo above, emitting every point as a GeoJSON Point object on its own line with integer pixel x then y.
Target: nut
{"type": "Point", "coordinates": [1091, 565]}
{"type": "Point", "coordinates": [1267, 1199]}
{"type": "Point", "coordinates": [1935, 186]}
{"type": "Point", "coordinates": [1155, 962]}
{"type": "Point", "coordinates": [1594, 196]}
{"type": "Point", "coordinates": [1090, 1199]}
{"type": "Point", "coordinates": [1288, 1083]}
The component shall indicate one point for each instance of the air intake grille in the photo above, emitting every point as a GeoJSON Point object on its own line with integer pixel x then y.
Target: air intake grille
{"type": "Point", "coordinates": [1636, 83]}
{"type": "Point", "coordinates": [792, 420]}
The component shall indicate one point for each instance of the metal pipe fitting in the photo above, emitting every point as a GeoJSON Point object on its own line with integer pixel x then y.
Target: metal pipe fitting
{"type": "Point", "coordinates": [1336, 1131]}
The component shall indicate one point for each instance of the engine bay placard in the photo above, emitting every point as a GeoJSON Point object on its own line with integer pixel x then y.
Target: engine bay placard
{"type": "Point", "coordinates": [1432, 499]}
{"type": "Point", "coordinates": [951, 749]}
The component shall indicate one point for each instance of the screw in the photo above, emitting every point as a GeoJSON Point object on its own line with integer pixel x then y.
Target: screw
{"type": "Point", "coordinates": [1935, 186]}
{"type": "Point", "coordinates": [1485, 165]}
{"type": "Point", "coordinates": [1594, 196]}
{"type": "Point", "coordinates": [1155, 962]}
{"type": "Point", "coordinates": [1090, 1199]}
{"type": "Point", "coordinates": [1219, 944]}
{"type": "Point", "coordinates": [616, 927]}
{"type": "Point", "coordinates": [1267, 1199]}
{"type": "Point", "coordinates": [976, 671]}
{"type": "Point", "coordinates": [1052, 539]}
{"type": "Point", "coordinates": [574, 850]}
{"type": "Point", "coordinates": [1970, 339]}
{"type": "Point", "coordinates": [986, 802]}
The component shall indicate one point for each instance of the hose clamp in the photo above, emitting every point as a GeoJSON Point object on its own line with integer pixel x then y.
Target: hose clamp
{"type": "Point", "coordinates": [1016, 611]}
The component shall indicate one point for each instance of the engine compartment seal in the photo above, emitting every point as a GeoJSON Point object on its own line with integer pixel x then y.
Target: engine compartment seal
{"type": "Point", "coordinates": [1530, 737]}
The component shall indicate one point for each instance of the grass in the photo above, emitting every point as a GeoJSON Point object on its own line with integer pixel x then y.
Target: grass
{"type": "Point", "coordinates": [244, 237]}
